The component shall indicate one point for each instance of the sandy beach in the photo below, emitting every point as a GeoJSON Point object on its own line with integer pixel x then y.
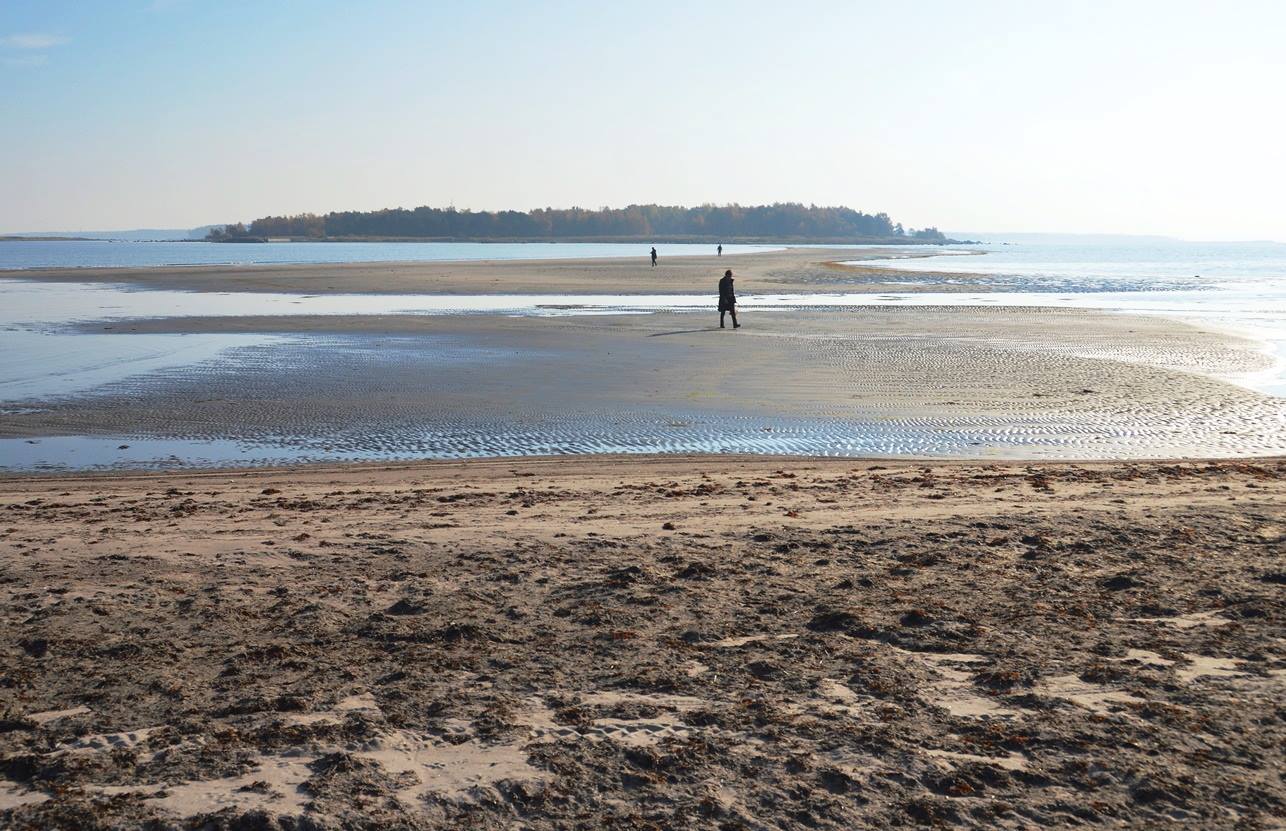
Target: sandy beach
{"type": "Point", "coordinates": [643, 643]}
{"type": "Point", "coordinates": [660, 640]}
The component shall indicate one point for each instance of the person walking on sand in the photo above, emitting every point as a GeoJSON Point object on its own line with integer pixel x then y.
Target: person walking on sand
{"type": "Point", "coordinates": [727, 300]}
{"type": "Point", "coordinates": [654, 256]}
{"type": "Point", "coordinates": [720, 249]}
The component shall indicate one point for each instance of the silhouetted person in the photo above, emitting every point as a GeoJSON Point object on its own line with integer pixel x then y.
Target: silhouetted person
{"type": "Point", "coordinates": [727, 300]}
{"type": "Point", "coordinates": [654, 256]}
{"type": "Point", "coordinates": [720, 249]}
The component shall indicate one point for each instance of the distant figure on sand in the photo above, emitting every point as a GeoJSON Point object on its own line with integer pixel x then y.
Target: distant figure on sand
{"type": "Point", "coordinates": [727, 300]}
{"type": "Point", "coordinates": [720, 249]}
{"type": "Point", "coordinates": [654, 256]}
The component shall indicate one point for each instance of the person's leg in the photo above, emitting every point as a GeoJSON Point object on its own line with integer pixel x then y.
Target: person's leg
{"type": "Point", "coordinates": [735, 324]}
{"type": "Point", "coordinates": [721, 314]}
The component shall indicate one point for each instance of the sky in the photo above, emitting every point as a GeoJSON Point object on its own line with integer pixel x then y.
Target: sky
{"type": "Point", "coordinates": [1110, 117]}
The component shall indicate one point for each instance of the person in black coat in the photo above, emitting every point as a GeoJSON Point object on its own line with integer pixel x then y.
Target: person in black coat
{"type": "Point", "coordinates": [727, 300]}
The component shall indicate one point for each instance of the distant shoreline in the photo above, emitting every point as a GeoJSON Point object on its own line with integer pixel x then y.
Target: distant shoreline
{"type": "Point", "coordinates": [657, 240]}
{"type": "Point", "coordinates": [19, 238]}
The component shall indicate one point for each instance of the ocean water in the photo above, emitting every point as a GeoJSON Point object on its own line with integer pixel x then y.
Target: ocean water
{"type": "Point", "coordinates": [1134, 265]}
{"type": "Point", "coordinates": [112, 254]}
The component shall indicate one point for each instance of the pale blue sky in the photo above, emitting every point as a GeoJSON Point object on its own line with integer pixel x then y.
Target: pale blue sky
{"type": "Point", "coordinates": [1130, 117]}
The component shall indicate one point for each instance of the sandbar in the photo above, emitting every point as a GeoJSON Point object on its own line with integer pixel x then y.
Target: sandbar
{"type": "Point", "coordinates": [787, 270]}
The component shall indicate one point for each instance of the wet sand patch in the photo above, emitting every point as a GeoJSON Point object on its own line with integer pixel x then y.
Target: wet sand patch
{"type": "Point", "coordinates": [873, 382]}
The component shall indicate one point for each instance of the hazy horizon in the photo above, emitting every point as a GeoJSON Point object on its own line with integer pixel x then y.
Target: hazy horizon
{"type": "Point", "coordinates": [1151, 119]}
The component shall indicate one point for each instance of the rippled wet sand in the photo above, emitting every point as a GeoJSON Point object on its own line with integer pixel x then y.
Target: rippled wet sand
{"type": "Point", "coordinates": [866, 382]}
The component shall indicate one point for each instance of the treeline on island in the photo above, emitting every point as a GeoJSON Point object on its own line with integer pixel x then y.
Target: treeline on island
{"type": "Point", "coordinates": [781, 222]}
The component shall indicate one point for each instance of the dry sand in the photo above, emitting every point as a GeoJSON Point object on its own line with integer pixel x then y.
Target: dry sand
{"type": "Point", "coordinates": [646, 643]}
